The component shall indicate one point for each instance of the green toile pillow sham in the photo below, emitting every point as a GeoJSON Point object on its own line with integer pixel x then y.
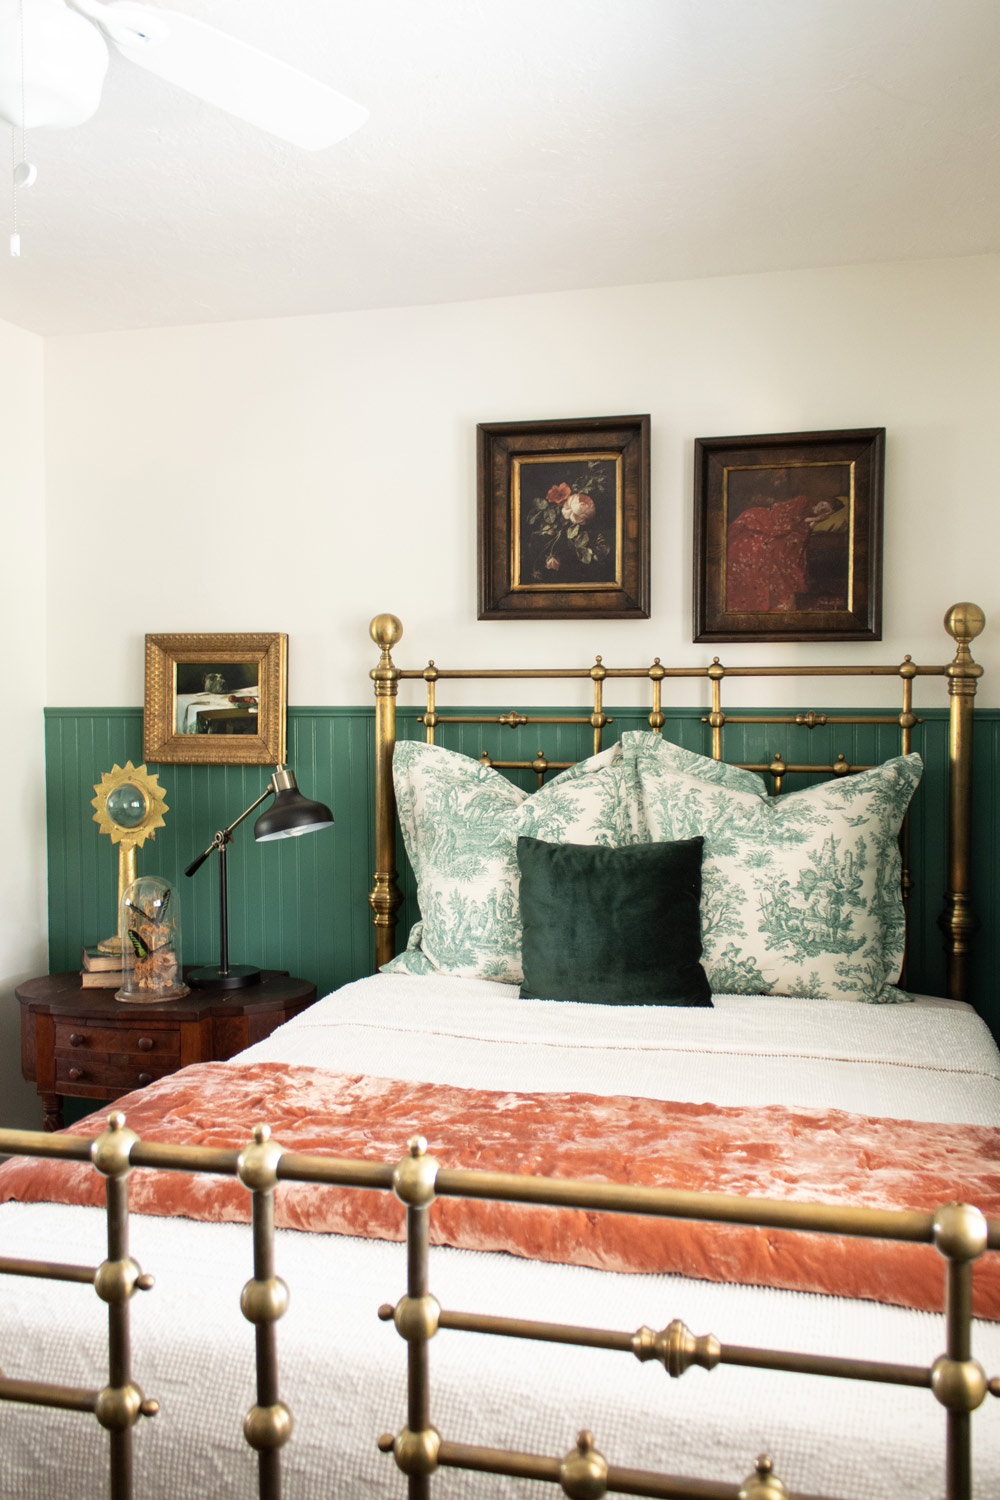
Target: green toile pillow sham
{"type": "Point", "coordinates": [800, 893]}
{"type": "Point", "coordinates": [651, 748]}
{"type": "Point", "coordinates": [461, 821]}
{"type": "Point", "coordinates": [612, 926]}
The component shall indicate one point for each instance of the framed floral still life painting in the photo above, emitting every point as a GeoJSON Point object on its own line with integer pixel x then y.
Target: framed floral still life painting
{"type": "Point", "coordinates": [788, 536]}
{"type": "Point", "coordinates": [564, 519]}
{"type": "Point", "coordinates": [216, 699]}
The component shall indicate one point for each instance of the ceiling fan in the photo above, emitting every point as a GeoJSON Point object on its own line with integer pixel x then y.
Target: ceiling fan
{"type": "Point", "coordinates": [54, 55]}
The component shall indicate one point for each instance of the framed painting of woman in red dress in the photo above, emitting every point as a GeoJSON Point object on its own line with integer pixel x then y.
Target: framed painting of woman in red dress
{"type": "Point", "coordinates": [788, 537]}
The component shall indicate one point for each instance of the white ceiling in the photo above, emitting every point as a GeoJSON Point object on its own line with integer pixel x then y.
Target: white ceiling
{"type": "Point", "coordinates": [519, 146]}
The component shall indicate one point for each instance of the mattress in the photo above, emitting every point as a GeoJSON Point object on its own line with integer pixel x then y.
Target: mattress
{"type": "Point", "coordinates": [343, 1372]}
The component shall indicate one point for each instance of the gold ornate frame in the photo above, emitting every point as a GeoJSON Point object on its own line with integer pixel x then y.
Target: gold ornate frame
{"type": "Point", "coordinates": [161, 741]}
{"type": "Point", "coordinates": [963, 623]}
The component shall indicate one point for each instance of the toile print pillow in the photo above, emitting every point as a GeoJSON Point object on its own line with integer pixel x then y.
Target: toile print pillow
{"type": "Point", "coordinates": [801, 892]}
{"type": "Point", "coordinates": [654, 751]}
{"type": "Point", "coordinates": [461, 821]}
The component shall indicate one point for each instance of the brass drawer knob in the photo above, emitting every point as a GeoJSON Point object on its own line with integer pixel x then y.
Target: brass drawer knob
{"type": "Point", "coordinates": [145, 1044]}
{"type": "Point", "coordinates": [75, 1074]}
{"type": "Point", "coordinates": [76, 1040]}
{"type": "Point", "coordinates": [145, 1078]}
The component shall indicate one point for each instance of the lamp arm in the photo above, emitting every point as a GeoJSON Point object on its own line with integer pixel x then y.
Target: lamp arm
{"type": "Point", "coordinates": [268, 791]}
{"type": "Point", "coordinates": [223, 836]}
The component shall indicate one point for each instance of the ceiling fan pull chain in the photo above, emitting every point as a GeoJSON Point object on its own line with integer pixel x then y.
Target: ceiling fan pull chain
{"type": "Point", "coordinates": [17, 141]}
{"type": "Point", "coordinates": [15, 238]}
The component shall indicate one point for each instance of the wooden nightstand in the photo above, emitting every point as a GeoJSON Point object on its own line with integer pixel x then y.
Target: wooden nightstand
{"type": "Point", "coordinates": [85, 1044]}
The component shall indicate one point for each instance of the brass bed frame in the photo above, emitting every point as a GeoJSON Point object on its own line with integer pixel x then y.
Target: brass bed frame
{"type": "Point", "coordinates": [963, 623]}
{"type": "Point", "coordinates": [959, 1231]}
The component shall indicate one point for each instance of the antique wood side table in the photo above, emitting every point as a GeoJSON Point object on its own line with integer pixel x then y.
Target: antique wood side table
{"type": "Point", "coordinates": [85, 1044]}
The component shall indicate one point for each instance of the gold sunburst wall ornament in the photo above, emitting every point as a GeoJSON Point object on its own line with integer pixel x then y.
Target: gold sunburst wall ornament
{"type": "Point", "coordinates": [130, 809]}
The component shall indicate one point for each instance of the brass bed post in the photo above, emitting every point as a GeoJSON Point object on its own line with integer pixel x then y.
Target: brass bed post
{"type": "Point", "coordinates": [716, 718]}
{"type": "Point", "coordinates": [959, 1382]}
{"type": "Point", "coordinates": [598, 718]}
{"type": "Point", "coordinates": [958, 921]}
{"type": "Point", "coordinates": [385, 631]}
{"type": "Point", "coordinates": [268, 1424]}
{"type": "Point", "coordinates": [416, 1448]}
{"type": "Point", "coordinates": [121, 1403]}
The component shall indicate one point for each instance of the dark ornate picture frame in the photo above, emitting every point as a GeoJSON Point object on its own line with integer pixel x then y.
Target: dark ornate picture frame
{"type": "Point", "coordinates": [216, 699]}
{"type": "Point", "coordinates": [788, 536]}
{"type": "Point", "coordinates": [563, 519]}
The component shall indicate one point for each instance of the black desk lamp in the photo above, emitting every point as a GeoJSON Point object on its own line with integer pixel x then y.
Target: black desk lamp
{"type": "Point", "coordinates": [290, 814]}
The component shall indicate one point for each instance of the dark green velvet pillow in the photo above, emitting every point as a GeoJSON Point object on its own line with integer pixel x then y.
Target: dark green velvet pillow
{"type": "Point", "coordinates": [612, 926]}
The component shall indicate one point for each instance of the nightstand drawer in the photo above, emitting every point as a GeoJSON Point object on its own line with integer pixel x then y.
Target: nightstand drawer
{"type": "Point", "coordinates": [84, 1038]}
{"type": "Point", "coordinates": [106, 1077]}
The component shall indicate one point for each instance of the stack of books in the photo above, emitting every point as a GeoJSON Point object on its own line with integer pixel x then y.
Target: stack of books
{"type": "Point", "coordinates": [101, 971]}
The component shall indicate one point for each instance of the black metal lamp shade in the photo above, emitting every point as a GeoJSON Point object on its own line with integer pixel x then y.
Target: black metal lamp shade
{"type": "Point", "coordinates": [290, 813]}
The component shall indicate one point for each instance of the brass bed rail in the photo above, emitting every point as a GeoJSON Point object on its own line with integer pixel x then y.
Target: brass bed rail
{"type": "Point", "coordinates": [960, 1232]}
{"type": "Point", "coordinates": [963, 622]}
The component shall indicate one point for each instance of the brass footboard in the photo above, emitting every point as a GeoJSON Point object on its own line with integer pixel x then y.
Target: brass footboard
{"type": "Point", "coordinates": [956, 1380]}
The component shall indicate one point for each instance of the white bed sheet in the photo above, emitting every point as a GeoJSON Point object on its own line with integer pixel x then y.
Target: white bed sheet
{"type": "Point", "coordinates": [932, 1060]}
{"type": "Point", "coordinates": [343, 1371]}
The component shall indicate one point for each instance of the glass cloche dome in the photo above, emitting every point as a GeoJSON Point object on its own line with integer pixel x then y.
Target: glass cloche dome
{"type": "Point", "coordinates": [151, 942]}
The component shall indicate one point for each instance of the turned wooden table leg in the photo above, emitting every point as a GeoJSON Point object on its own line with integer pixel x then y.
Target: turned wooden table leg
{"type": "Point", "coordinates": [52, 1105]}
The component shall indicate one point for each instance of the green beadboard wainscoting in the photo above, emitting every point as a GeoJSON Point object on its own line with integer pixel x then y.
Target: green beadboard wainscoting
{"type": "Point", "coordinates": [302, 904]}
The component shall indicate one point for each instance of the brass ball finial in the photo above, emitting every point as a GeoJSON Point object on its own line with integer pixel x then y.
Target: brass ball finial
{"type": "Point", "coordinates": [961, 1231]}
{"type": "Point", "coordinates": [385, 631]}
{"type": "Point", "coordinates": [763, 1483]}
{"type": "Point", "coordinates": [964, 621]}
{"type": "Point", "coordinates": [583, 1473]}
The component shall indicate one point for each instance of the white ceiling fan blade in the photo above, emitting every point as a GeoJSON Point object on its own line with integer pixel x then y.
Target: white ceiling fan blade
{"type": "Point", "coordinates": [228, 73]}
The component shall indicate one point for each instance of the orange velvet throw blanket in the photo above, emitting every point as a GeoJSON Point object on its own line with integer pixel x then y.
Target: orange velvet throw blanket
{"type": "Point", "coordinates": [823, 1156]}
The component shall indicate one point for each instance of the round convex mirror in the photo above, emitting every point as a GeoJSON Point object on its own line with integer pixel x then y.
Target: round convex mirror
{"type": "Point", "coordinates": [126, 805]}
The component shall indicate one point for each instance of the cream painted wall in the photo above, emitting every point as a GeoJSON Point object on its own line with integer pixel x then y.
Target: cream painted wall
{"type": "Point", "coordinates": [23, 948]}
{"type": "Point", "coordinates": [303, 474]}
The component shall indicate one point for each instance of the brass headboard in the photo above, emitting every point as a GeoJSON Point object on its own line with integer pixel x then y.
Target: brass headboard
{"type": "Point", "coordinates": [963, 623]}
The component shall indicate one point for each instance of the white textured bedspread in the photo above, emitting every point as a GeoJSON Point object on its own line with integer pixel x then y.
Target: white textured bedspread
{"type": "Point", "coordinates": [343, 1371]}
{"type": "Point", "coordinates": [931, 1060]}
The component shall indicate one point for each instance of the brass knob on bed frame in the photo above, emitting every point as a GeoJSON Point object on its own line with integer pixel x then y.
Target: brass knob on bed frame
{"type": "Point", "coordinates": [414, 1178]}
{"type": "Point", "coordinates": [960, 1231]}
{"type": "Point", "coordinates": [268, 1428]}
{"type": "Point", "coordinates": [386, 631]}
{"type": "Point", "coordinates": [959, 1384]}
{"type": "Point", "coordinates": [109, 1152]}
{"type": "Point", "coordinates": [763, 1483]}
{"type": "Point", "coordinates": [583, 1473]}
{"type": "Point", "coordinates": [964, 622]}
{"type": "Point", "coordinates": [414, 1452]}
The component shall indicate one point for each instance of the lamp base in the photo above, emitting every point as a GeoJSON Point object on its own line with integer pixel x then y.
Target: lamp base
{"type": "Point", "coordinates": [236, 977]}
